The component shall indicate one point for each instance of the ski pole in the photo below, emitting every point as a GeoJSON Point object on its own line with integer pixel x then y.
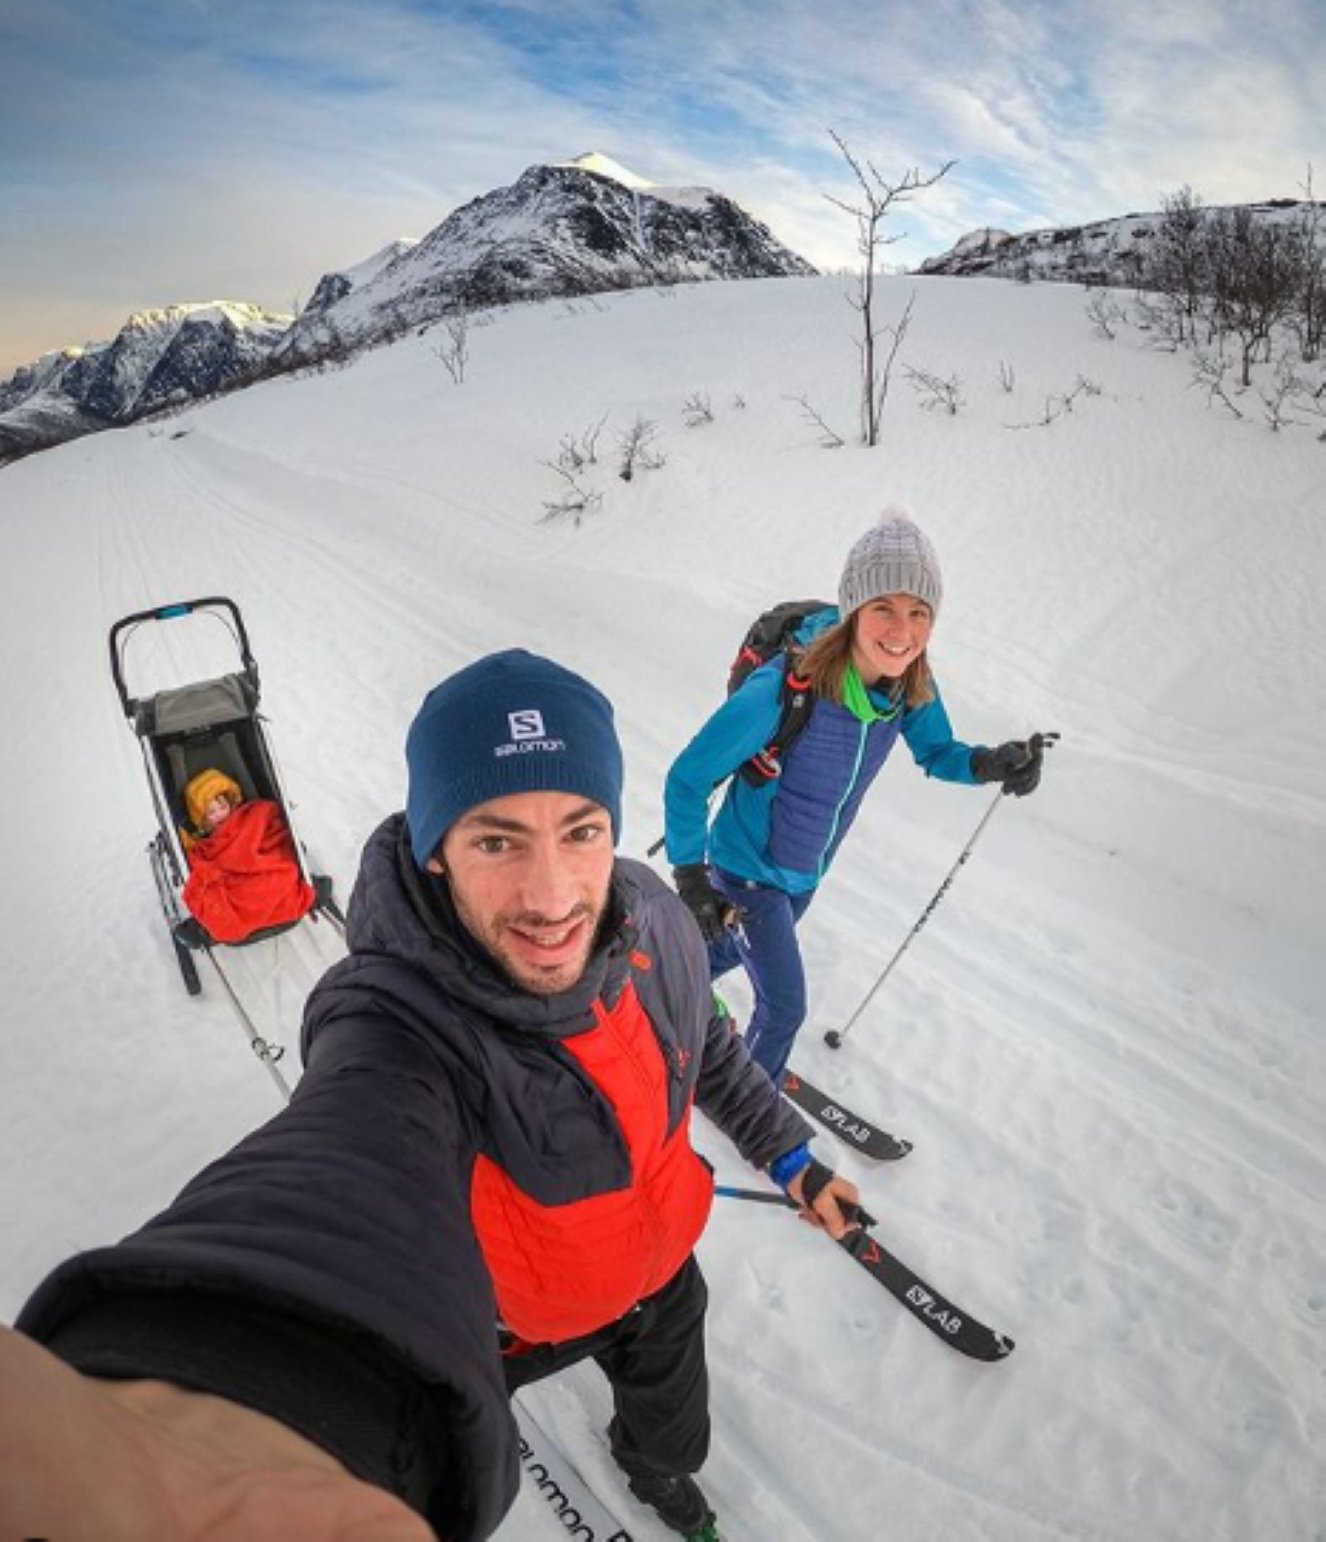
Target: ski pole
{"type": "Point", "coordinates": [834, 1037]}
{"type": "Point", "coordinates": [767, 1197]}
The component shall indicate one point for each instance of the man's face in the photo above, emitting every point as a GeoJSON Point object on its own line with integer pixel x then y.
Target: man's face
{"type": "Point", "coordinates": [529, 875]}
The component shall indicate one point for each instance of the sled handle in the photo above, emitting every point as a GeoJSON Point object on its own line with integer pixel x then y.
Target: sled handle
{"type": "Point", "coordinates": [172, 612]}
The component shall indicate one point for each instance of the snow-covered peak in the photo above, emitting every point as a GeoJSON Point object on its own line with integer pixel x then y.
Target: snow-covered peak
{"type": "Point", "coordinates": [604, 166]}
{"type": "Point", "coordinates": [238, 313]}
{"type": "Point", "coordinates": [370, 267]}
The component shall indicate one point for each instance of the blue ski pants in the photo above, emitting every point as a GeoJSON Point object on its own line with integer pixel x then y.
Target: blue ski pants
{"type": "Point", "coordinates": [765, 945]}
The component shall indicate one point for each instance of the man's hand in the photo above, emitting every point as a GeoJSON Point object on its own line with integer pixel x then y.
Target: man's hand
{"type": "Point", "coordinates": [822, 1195]}
{"type": "Point", "coordinates": [87, 1460]}
{"type": "Point", "coordinates": [1016, 764]}
{"type": "Point", "coordinates": [713, 911]}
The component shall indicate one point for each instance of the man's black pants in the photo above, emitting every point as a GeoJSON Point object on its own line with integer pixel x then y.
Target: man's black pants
{"type": "Point", "coordinates": [654, 1361]}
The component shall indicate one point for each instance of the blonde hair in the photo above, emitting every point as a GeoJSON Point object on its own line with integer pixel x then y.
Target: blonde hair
{"type": "Point", "coordinates": [825, 662]}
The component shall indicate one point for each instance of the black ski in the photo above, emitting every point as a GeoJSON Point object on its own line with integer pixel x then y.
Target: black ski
{"type": "Point", "coordinates": [850, 1128]}
{"type": "Point", "coordinates": [944, 1320]}
{"type": "Point", "coordinates": [923, 1301]}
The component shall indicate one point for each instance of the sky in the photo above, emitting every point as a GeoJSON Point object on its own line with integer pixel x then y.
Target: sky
{"type": "Point", "coordinates": [1105, 1042]}
{"type": "Point", "coordinates": [153, 152]}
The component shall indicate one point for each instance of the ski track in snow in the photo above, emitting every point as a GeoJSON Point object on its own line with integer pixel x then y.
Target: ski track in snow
{"type": "Point", "coordinates": [1104, 1042]}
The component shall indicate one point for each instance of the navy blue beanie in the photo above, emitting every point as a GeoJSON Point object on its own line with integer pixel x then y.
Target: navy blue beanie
{"type": "Point", "coordinates": [512, 722]}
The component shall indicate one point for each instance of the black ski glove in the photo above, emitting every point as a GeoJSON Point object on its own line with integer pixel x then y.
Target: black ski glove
{"type": "Point", "coordinates": [817, 1179]}
{"type": "Point", "coordinates": [713, 911]}
{"type": "Point", "coordinates": [1016, 764]}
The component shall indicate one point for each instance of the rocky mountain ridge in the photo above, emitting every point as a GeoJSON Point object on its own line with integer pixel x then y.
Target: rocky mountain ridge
{"type": "Point", "coordinates": [158, 359]}
{"type": "Point", "coordinates": [1109, 252]}
{"type": "Point", "coordinates": [579, 227]}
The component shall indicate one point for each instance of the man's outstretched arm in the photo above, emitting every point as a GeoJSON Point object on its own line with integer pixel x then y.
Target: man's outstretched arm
{"type": "Point", "coordinates": [87, 1460]}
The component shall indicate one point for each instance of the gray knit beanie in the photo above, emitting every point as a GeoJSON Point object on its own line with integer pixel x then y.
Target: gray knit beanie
{"type": "Point", "coordinates": [893, 557]}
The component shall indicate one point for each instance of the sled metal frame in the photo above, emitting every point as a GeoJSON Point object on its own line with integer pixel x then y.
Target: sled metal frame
{"type": "Point", "coordinates": [216, 721]}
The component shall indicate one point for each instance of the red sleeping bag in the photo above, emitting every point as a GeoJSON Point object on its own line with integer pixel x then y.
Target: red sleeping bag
{"type": "Point", "coordinates": [245, 876]}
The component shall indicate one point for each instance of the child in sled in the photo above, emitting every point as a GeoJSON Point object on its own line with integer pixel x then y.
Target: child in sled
{"type": "Point", "coordinates": [244, 875]}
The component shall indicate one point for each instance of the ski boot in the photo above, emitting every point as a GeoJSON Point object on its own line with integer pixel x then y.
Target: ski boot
{"type": "Point", "coordinates": [679, 1503]}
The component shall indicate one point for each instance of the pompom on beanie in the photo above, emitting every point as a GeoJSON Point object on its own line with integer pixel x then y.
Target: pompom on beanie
{"type": "Point", "coordinates": [512, 722]}
{"type": "Point", "coordinates": [204, 787]}
{"type": "Point", "coordinates": [893, 557]}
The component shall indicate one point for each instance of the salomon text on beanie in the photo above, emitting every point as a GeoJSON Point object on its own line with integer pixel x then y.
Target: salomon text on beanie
{"type": "Point", "coordinates": [893, 557]}
{"type": "Point", "coordinates": [512, 722]}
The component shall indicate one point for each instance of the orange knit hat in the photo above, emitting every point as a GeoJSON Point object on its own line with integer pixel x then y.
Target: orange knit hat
{"type": "Point", "coordinates": [204, 787]}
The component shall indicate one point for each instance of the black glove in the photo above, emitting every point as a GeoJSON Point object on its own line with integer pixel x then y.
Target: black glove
{"type": "Point", "coordinates": [713, 911]}
{"type": "Point", "coordinates": [817, 1179]}
{"type": "Point", "coordinates": [1016, 764]}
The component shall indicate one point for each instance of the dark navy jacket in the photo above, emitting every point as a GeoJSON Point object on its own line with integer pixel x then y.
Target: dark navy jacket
{"type": "Point", "coordinates": [325, 1270]}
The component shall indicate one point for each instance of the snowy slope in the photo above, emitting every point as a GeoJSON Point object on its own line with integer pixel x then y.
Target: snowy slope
{"type": "Point", "coordinates": [1106, 1042]}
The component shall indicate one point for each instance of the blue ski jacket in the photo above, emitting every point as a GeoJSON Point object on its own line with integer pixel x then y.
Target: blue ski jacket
{"type": "Point", "coordinates": [785, 833]}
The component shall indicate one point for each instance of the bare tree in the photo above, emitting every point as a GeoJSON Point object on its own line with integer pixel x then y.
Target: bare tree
{"type": "Point", "coordinates": [878, 197]}
{"type": "Point", "coordinates": [1178, 263]}
{"type": "Point", "coordinates": [1309, 322]}
{"type": "Point", "coordinates": [1257, 274]}
{"type": "Point", "coordinates": [455, 351]}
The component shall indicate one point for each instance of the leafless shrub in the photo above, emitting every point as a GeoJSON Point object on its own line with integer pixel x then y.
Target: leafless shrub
{"type": "Point", "coordinates": [936, 393]}
{"type": "Point", "coordinates": [636, 451]}
{"type": "Point", "coordinates": [575, 455]}
{"type": "Point", "coordinates": [574, 503]}
{"type": "Point", "coordinates": [697, 410]}
{"type": "Point", "coordinates": [577, 451]}
{"type": "Point", "coordinates": [1057, 406]}
{"type": "Point", "coordinates": [1281, 393]}
{"type": "Point", "coordinates": [1104, 313]}
{"type": "Point", "coordinates": [1164, 325]}
{"type": "Point", "coordinates": [738, 401]}
{"type": "Point", "coordinates": [830, 439]}
{"type": "Point", "coordinates": [454, 350]}
{"type": "Point", "coordinates": [1209, 372]}
{"type": "Point", "coordinates": [1007, 378]}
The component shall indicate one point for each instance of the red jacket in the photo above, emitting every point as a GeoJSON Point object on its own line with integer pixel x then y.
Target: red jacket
{"type": "Point", "coordinates": [245, 875]}
{"type": "Point", "coordinates": [561, 1271]}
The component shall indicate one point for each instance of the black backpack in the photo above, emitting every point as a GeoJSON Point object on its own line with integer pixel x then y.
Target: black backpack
{"type": "Point", "coordinates": [771, 633]}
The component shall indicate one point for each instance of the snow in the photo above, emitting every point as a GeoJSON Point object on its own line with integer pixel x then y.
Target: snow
{"type": "Point", "coordinates": [1106, 1040]}
{"type": "Point", "coordinates": [604, 166]}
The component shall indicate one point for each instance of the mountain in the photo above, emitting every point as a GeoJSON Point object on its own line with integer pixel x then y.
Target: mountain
{"type": "Point", "coordinates": [575, 228]}
{"type": "Point", "coordinates": [1112, 252]}
{"type": "Point", "coordinates": [158, 358]}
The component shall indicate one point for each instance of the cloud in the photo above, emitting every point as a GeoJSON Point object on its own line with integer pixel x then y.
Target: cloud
{"type": "Point", "coordinates": [154, 150]}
